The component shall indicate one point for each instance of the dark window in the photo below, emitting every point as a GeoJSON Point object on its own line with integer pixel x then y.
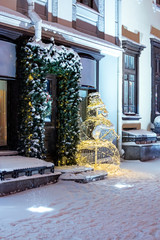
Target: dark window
{"type": "Point", "coordinates": [130, 84]}
{"type": "Point", "coordinates": [7, 59]}
{"type": "Point", "coordinates": [158, 2]}
{"type": "Point", "coordinates": [130, 77]}
{"type": "Point", "coordinates": [51, 90]}
{"type": "Point", "coordinates": [88, 81]}
{"type": "Point", "coordinates": [155, 58]}
{"type": "Point", "coordinates": [89, 3]}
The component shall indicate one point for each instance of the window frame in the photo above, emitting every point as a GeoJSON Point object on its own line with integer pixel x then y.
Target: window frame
{"type": "Point", "coordinates": [94, 56]}
{"type": "Point", "coordinates": [128, 72]}
{"type": "Point", "coordinates": [131, 49]}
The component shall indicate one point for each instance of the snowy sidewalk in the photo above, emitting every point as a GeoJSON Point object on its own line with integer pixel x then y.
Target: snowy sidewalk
{"type": "Point", "coordinates": [123, 207]}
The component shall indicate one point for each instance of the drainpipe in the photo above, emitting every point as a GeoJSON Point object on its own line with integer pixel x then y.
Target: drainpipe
{"type": "Point", "coordinates": [119, 74]}
{"type": "Point", "coordinates": [36, 20]}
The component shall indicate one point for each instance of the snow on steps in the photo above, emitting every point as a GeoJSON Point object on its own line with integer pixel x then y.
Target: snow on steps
{"type": "Point", "coordinates": [81, 174]}
{"type": "Point", "coordinates": [8, 153]}
{"type": "Point", "coordinates": [72, 173]}
{"type": "Point", "coordinates": [27, 182]}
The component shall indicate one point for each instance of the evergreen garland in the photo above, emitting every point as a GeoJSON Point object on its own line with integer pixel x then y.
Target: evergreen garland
{"type": "Point", "coordinates": [34, 62]}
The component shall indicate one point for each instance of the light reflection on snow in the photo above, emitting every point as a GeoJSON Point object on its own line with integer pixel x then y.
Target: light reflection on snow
{"type": "Point", "coordinates": [40, 209]}
{"type": "Point", "coordinates": [123, 185]}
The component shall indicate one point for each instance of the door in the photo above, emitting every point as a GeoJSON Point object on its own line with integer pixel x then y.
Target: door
{"type": "Point", "coordinates": [3, 113]}
{"type": "Point", "coordinates": [155, 59]}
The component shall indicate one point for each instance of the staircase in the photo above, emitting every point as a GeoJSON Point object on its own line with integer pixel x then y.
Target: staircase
{"type": "Point", "coordinates": [19, 173]}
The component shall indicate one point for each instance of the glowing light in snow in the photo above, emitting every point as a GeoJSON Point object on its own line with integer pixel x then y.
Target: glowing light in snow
{"type": "Point", "coordinates": [123, 185]}
{"type": "Point", "coordinates": [40, 209]}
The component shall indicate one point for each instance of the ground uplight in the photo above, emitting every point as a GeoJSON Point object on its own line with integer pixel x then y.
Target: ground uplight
{"type": "Point", "coordinates": [40, 209]}
{"type": "Point", "coordinates": [123, 185]}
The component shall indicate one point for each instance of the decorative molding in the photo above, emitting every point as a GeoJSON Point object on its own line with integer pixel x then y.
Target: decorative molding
{"type": "Point", "coordinates": [155, 32]}
{"type": "Point", "coordinates": [15, 21]}
{"type": "Point", "coordinates": [132, 47]}
{"type": "Point", "coordinates": [96, 18]}
{"type": "Point", "coordinates": [74, 10]}
{"type": "Point", "coordinates": [101, 16]}
{"type": "Point", "coordinates": [41, 2]}
{"type": "Point", "coordinates": [55, 8]}
{"type": "Point", "coordinates": [130, 35]}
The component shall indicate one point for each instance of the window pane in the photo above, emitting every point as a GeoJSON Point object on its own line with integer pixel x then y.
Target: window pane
{"type": "Point", "coordinates": [88, 74]}
{"type": "Point", "coordinates": [87, 2]}
{"type": "Point", "coordinates": [7, 59]}
{"type": "Point", "coordinates": [131, 77]}
{"type": "Point", "coordinates": [48, 118]}
{"type": "Point", "coordinates": [131, 109]}
{"type": "Point", "coordinates": [126, 60]}
{"type": "Point", "coordinates": [125, 92]}
{"type": "Point", "coordinates": [83, 104]}
{"type": "Point", "coordinates": [131, 93]}
{"type": "Point", "coordinates": [131, 62]}
{"type": "Point", "coordinates": [125, 109]}
{"type": "Point", "coordinates": [125, 76]}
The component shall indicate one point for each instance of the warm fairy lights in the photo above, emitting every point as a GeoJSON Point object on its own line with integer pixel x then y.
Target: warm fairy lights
{"type": "Point", "coordinates": [34, 61]}
{"type": "Point", "coordinates": [97, 133]}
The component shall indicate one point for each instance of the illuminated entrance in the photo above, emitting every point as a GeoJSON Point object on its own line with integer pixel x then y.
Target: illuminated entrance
{"type": "Point", "coordinates": [7, 89]}
{"type": "Point", "coordinates": [3, 113]}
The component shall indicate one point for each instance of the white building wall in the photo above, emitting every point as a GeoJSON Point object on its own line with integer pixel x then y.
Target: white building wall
{"type": "Point", "coordinates": [108, 86]}
{"type": "Point", "coordinates": [110, 17]}
{"type": "Point", "coordinates": [65, 10]}
{"type": "Point", "coordinates": [140, 17]}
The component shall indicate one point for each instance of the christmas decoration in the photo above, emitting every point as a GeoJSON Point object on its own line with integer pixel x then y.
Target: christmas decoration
{"type": "Point", "coordinates": [35, 61]}
{"type": "Point", "coordinates": [97, 135]}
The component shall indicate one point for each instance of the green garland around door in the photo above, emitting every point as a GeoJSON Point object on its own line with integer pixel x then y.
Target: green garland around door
{"type": "Point", "coordinates": [35, 61]}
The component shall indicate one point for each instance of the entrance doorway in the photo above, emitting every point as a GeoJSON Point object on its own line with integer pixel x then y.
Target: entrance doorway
{"type": "Point", "coordinates": [3, 113]}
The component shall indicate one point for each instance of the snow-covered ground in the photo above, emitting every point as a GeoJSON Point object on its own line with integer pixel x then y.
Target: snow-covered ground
{"type": "Point", "coordinates": [122, 207]}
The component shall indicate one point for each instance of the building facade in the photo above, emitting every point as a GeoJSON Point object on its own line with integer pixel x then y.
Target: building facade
{"type": "Point", "coordinates": [88, 27]}
{"type": "Point", "coordinates": [119, 45]}
{"type": "Point", "coordinates": [140, 22]}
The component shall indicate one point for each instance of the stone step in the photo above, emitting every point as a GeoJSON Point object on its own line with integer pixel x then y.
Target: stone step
{"type": "Point", "coordinates": [84, 177]}
{"type": "Point", "coordinates": [142, 152]}
{"type": "Point", "coordinates": [8, 153]}
{"type": "Point", "coordinates": [11, 186]}
{"type": "Point", "coordinates": [73, 169]}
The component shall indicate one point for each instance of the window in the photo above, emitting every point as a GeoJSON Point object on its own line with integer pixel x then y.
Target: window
{"type": "Point", "coordinates": [130, 77]}
{"type": "Point", "coordinates": [51, 90]}
{"type": "Point", "coordinates": [88, 16]}
{"type": "Point", "coordinates": [130, 85]}
{"type": "Point", "coordinates": [89, 81]}
{"type": "Point", "coordinates": [89, 3]}
{"type": "Point", "coordinates": [158, 2]}
{"type": "Point", "coordinates": [7, 59]}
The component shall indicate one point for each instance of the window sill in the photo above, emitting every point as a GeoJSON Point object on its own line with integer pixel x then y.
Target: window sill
{"type": "Point", "coordinates": [87, 14]}
{"type": "Point", "coordinates": [81, 5]}
{"type": "Point", "coordinates": [131, 117]}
